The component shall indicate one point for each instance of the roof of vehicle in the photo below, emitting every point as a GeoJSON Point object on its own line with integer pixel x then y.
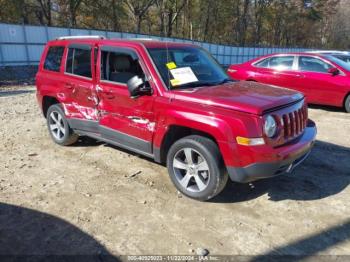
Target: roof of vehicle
{"type": "Point", "coordinates": [311, 53]}
{"type": "Point", "coordinates": [281, 54]}
{"type": "Point", "coordinates": [295, 53]}
{"type": "Point", "coordinates": [335, 52]}
{"type": "Point", "coordinates": [148, 43]}
{"type": "Point", "coordinates": [323, 55]}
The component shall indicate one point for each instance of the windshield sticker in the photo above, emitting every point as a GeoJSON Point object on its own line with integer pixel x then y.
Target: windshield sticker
{"type": "Point", "coordinates": [183, 75]}
{"type": "Point", "coordinates": [174, 82]}
{"type": "Point", "coordinates": [171, 65]}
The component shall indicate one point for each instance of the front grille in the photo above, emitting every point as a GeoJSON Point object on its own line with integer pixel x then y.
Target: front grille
{"type": "Point", "coordinates": [294, 123]}
{"type": "Point", "coordinates": [291, 122]}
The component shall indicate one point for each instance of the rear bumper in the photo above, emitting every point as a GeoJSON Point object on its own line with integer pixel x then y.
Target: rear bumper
{"type": "Point", "coordinates": [290, 160]}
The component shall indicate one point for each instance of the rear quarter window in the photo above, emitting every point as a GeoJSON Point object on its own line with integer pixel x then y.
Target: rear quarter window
{"type": "Point", "coordinates": [263, 63]}
{"type": "Point", "coordinates": [53, 58]}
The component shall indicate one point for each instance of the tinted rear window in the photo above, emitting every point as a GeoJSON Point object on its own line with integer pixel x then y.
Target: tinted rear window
{"type": "Point", "coordinates": [79, 62]}
{"type": "Point", "coordinates": [53, 58]}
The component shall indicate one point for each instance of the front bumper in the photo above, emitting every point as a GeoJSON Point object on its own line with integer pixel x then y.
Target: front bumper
{"type": "Point", "coordinates": [289, 161]}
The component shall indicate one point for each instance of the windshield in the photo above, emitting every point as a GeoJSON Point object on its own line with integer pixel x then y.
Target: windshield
{"type": "Point", "coordinates": [187, 67]}
{"type": "Point", "coordinates": [344, 58]}
{"type": "Point", "coordinates": [340, 62]}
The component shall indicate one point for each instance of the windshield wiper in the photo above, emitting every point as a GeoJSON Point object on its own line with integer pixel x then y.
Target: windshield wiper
{"type": "Point", "coordinates": [200, 84]}
{"type": "Point", "coordinates": [226, 80]}
{"type": "Point", "coordinates": [196, 84]}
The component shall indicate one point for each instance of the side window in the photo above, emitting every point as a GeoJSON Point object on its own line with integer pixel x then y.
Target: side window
{"type": "Point", "coordinates": [119, 66]}
{"type": "Point", "coordinates": [278, 62]}
{"type": "Point", "coordinates": [263, 63]}
{"type": "Point", "coordinates": [53, 58]}
{"type": "Point", "coordinates": [79, 61]}
{"type": "Point", "coordinates": [312, 64]}
{"type": "Point", "coordinates": [282, 62]}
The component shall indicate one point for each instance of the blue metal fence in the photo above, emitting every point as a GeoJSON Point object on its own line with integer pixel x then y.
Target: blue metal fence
{"type": "Point", "coordinates": [23, 44]}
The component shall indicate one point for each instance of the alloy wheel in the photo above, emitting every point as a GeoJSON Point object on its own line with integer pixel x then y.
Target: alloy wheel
{"type": "Point", "coordinates": [191, 170]}
{"type": "Point", "coordinates": [57, 126]}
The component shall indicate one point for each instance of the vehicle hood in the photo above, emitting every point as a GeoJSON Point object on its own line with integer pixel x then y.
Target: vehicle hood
{"type": "Point", "coordinates": [244, 96]}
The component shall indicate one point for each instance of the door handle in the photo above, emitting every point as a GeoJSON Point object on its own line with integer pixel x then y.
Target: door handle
{"type": "Point", "coordinates": [109, 94]}
{"type": "Point", "coordinates": [300, 75]}
{"type": "Point", "coordinates": [69, 85]}
{"type": "Point", "coordinates": [138, 120]}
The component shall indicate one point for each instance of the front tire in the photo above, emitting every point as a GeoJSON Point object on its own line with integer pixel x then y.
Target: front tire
{"type": "Point", "coordinates": [196, 167]}
{"type": "Point", "coordinates": [58, 126]}
{"type": "Point", "coordinates": [347, 104]}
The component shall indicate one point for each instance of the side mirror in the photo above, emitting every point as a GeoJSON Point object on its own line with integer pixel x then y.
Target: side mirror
{"type": "Point", "coordinates": [334, 71]}
{"type": "Point", "coordinates": [137, 86]}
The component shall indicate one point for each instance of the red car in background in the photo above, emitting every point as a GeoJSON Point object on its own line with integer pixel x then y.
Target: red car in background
{"type": "Point", "coordinates": [323, 78]}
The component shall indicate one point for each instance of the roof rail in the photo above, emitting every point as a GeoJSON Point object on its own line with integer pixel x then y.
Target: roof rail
{"type": "Point", "coordinates": [141, 39]}
{"type": "Point", "coordinates": [81, 37]}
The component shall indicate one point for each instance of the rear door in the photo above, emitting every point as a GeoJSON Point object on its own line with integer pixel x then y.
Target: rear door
{"type": "Point", "coordinates": [127, 121]}
{"type": "Point", "coordinates": [79, 79]}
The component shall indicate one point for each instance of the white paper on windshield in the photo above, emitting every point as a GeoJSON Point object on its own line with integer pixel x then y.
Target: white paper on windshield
{"type": "Point", "coordinates": [183, 75]}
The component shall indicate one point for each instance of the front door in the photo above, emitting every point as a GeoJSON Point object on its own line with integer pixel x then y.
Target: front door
{"type": "Point", "coordinates": [129, 122]}
{"type": "Point", "coordinates": [319, 86]}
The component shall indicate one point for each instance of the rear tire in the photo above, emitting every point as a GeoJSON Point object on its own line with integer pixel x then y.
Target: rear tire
{"type": "Point", "coordinates": [58, 126]}
{"type": "Point", "coordinates": [196, 167]}
{"type": "Point", "coordinates": [347, 104]}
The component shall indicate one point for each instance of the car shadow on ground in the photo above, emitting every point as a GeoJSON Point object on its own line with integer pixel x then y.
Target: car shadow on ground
{"type": "Point", "coordinates": [324, 173]}
{"type": "Point", "coordinates": [309, 246]}
{"type": "Point", "coordinates": [327, 108]}
{"type": "Point", "coordinates": [7, 93]}
{"type": "Point", "coordinates": [28, 234]}
{"type": "Point", "coordinates": [85, 141]}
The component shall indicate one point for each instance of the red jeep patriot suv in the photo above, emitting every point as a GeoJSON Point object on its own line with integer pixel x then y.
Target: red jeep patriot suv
{"type": "Point", "coordinates": [172, 102]}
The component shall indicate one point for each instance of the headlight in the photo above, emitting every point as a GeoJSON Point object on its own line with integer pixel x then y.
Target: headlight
{"type": "Point", "coordinates": [270, 126]}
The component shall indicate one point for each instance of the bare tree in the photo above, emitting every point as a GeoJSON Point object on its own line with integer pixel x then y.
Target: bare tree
{"type": "Point", "coordinates": [260, 8]}
{"type": "Point", "coordinates": [162, 16]}
{"type": "Point", "coordinates": [319, 23]}
{"type": "Point", "coordinates": [241, 22]}
{"type": "Point", "coordinates": [174, 9]}
{"type": "Point", "coordinates": [138, 9]}
{"type": "Point", "coordinates": [46, 10]}
{"type": "Point", "coordinates": [72, 7]}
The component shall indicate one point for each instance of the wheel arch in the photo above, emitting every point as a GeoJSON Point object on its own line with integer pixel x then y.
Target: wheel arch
{"type": "Point", "coordinates": [47, 102]}
{"type": "Point", "coordinates": [344, 102]}
{"type": "Point", "coordinates": [173, 134]}
{"type": "Point", "coordinates": [345, 97]}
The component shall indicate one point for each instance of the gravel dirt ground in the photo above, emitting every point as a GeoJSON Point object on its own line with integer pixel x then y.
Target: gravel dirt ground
{"type": "Point", "coordinates": [95, 198]}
